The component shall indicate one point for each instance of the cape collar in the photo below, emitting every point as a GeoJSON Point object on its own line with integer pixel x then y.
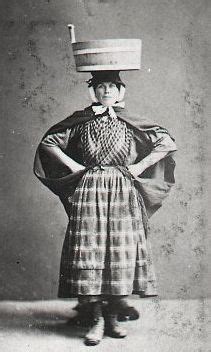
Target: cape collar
{"type": "Point", "coordinates": [100, 110]}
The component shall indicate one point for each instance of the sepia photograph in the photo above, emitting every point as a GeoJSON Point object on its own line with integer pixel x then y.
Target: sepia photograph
{"type": "Point", "coordinates": [105, 168]}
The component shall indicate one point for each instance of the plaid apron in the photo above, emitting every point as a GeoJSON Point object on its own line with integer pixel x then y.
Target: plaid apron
{"type": "Point", "coordinates": [105, 251]}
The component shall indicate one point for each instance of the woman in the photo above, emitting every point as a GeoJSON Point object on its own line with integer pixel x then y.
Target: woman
{"type": "Point", "coordinates": [93, 161]}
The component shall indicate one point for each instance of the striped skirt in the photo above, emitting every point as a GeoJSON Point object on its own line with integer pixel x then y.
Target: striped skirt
{"type": "Point", "coordinates": [105, 250]}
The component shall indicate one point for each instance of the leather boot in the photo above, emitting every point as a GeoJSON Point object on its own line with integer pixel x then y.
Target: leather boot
{"type": "Point", "coordinates": [127, 312]}
{"type": "Point", "coordinates": [95, 334]}
{"type": "Point", "coordinates": [113, 328]}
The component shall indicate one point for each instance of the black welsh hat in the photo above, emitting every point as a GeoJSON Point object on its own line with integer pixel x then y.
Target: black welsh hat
{"type": "Point", "coordinates": [105, 76]}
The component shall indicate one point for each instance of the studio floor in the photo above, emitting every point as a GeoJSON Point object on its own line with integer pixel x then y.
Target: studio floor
{"type": "Point", "coordinates": [164, 326]}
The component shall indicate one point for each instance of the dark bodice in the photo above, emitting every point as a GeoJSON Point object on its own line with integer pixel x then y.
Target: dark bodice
{"type": "Point", "coordinates": [105, 141]}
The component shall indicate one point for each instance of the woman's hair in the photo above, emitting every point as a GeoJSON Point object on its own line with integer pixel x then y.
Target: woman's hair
{"type": "Point", "coordinates": [105, 76]}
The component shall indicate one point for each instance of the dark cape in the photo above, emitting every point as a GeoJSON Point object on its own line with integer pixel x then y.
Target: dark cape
{"type": "Point", "coordinates": [154, 184]}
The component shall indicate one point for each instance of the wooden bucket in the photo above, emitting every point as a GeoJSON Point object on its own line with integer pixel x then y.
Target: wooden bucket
{"type": "Point", "coordinates": [107, 54]}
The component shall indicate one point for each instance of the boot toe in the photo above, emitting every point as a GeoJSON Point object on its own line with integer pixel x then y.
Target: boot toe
{"type": "Point", "coordinates": [95, 335]}
{"type": "Point", "coordinates": [128, 313]}
{"type": "Point", "coordinates": [90, 342]}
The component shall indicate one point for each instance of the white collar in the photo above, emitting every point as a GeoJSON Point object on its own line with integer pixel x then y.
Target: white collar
{"type": "Point", "coordinates": [100, 109]}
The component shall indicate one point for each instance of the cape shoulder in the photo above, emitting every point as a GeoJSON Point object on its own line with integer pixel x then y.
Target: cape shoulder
{"type": "Point", "coordinates": [75, 119]}
{"type": "Point", "coordinates": [82, 116]}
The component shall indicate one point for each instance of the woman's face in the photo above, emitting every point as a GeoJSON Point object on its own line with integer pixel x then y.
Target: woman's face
{"type": "Point", "coordinates": [107, 93]}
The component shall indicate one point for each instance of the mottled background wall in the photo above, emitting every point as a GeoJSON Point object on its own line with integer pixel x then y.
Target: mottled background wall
{"type": "Point", "coordinates": [39, 86]}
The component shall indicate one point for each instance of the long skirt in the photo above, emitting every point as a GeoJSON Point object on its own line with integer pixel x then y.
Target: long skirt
{"type": "Point", "coordinates": [105, 251]}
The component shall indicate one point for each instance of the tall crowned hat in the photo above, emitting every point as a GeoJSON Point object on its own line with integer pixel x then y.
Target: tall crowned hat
{"type": "Point", "coordinates": [106, 54]}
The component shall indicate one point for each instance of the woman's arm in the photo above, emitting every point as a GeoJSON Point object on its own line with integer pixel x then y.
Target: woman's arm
{"type": "Point", "coordinates": [61, 157]}
{"type": "Point", "coordinates": [162, 144]}
{"type": "Point", "coordinates": [54, 146]}
{"type": "Point", "coordinates": [149, 160]}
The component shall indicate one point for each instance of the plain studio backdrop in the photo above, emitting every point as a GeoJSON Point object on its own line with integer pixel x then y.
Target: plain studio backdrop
{"type": "Point", "coordinates": [39, 86]}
